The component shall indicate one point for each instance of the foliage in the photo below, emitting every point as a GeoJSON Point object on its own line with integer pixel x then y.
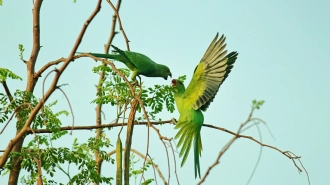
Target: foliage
{"type": "Point", "coordinates": [21, 50]}
{"type": "Point", "coordinates": [6, 73]}
{"type": "Point", "coordinates": [115, 91]}
{"type": "Point", "coordinates": [257, 104]}
{"type": "Point", "coordinates": [52, 159]}
{"type": "Point", "coordinates": [135, 173]}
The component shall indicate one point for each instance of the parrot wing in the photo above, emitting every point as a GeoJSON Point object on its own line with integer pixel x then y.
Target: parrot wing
{"type": "Point", "coordinates": [209, 74]}
{"type": "Point", "coordinates": [124, 58]}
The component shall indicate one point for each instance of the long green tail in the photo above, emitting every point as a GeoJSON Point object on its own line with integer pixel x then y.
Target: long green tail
{"type": "Point", "coordinates": [121, 56]}
{"type": "Point", "coordinates": [100, 55]}
{"type": "Point", "coordinates": [190, 133]}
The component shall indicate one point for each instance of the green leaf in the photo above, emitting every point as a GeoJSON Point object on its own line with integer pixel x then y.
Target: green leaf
{"type": "Point", "coordinates": [21, 50]}
{"type": "Point", "coordinates": [257, 104]}
{"type": "Point", "coordinates": [6, 73]}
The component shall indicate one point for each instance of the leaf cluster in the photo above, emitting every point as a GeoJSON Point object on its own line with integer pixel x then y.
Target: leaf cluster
{"type": "Point", "coordinates": [6, 73]}
{"type": "Point", "coordinates": [136, 172]}
{"type": "Point", "coordinates": [115, 91]}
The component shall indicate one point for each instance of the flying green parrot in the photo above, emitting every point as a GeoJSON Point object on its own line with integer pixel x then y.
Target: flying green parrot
{"type": "Point", "coordinates": [209, 74]}
{"type": "Point", "coordinates": [138, 63]}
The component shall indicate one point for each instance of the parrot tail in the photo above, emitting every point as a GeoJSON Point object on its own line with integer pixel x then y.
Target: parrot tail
{"type": "Point", "coordinates": [190, 133]}
{"type": "Point", "coordinates": [100, 55]}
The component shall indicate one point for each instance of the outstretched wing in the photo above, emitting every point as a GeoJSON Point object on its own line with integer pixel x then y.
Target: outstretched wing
{"type": "Point", "coordinates": [209, 74]}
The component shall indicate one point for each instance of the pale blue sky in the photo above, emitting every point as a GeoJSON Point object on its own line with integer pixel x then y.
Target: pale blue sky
{"type": "Point", "coordinates": [283, 59]}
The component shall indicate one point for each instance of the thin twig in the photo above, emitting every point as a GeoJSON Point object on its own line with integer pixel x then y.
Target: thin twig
{"type": "Point", "coordinates": [67, 99]}
{"type": "Point", "coordinates": [259, 156]}
{"type": "Point", "coordinates": [309, 182]}
{"type": "Point", "coordinates": [43, 92]}
{"type": "Point", "coordinates": [4, 84]}
{"type": "Point", "coordinates": [120, 24]}
{"type": "Point", "coordinates": [113, 27]}
{"type": "Point", "coordinates": [144, 157]}
{"type": "Point", "coordinates": [226, 147]}
{"type": "Point", "coordinates": [91, 127]}
{"type": "Point", "coordinates": [175, 172]}
{"type": "Point", "coordinates": [153, 169]}
{"type": "Point", "coordinates": [238, 135]}
{"type": "Point", "coordinates": [12, 115]}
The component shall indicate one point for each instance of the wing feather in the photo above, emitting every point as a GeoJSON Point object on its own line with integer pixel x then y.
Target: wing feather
{"type": "Point", "coordinates": [209, 74]}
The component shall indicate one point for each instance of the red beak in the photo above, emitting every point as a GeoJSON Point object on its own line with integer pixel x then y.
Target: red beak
{"type": "Point", "coordinates": [174, 82]}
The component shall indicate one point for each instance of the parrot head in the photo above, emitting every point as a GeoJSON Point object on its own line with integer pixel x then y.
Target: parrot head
{"type": "Point", "coordinates": [178, 86]}
{"type": "Point", "coordinates": [165, 72]}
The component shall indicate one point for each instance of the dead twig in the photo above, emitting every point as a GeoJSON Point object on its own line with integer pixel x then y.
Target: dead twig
{"type": "Point", "coordinates": [120, 24]}
{"type": "Point", "coordinates": [238, 135]}
{"type": "Point", "coordinates": [176, 174]}
{"type": "Point", "coordinates": [67, 99]}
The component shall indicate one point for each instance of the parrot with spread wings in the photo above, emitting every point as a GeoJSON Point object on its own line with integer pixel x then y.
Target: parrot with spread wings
{"type": "Point", "coordinates": [209, 74]}
{"type": "Point", "coordinates": [138, 63]}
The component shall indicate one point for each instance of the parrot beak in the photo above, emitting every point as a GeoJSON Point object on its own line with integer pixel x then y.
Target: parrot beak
{"type": "Point", "coordinates": [170, 75]}
{"type": "Point", "coordinates": [173, 82]}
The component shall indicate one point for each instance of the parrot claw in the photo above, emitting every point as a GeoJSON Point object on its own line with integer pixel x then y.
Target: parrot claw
{"type": "Point", "coordinates": [173, 120]}
{"type": "Point", "coordinates": [134, 83]}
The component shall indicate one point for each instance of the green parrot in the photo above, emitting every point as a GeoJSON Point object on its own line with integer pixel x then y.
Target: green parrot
{"type": "Point", "coordinates": [209, 74]}
{"type": "Point", "coordinates": [138, 63]}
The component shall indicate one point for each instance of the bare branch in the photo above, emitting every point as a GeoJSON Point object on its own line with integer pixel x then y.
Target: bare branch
{"type": "Point", "coordinates": [110, 125]}
{"type": "Point", "coordinates": [238, 135]}
{"type": "Point", "coordinates": [35, 48]}
{"type": "Point", "coordinates": [176, 174]}
{"type": "Point", "coordinates": [51, 89]}
{"type": "Point", "coordinates": [67, 99]}
{"type": "Point", "coordinates": [120, 24]}
{"type": "Point", "coordinates": [4, 84]}
{"type": "Point", "coordinates": [113, 27]}
{"type": "Point", "coordinates": [46, 66]}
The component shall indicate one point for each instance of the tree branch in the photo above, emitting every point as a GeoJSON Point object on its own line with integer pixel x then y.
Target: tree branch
{"type": "Point", "coordinates": [4, 84]}
{"type": "Point", "coordinates": [111, 125]}
{"type": "Point", "coordinates": [46, 66]}
{"type": "Point", "coordinates": [148, 160]}
{"type": "Point", "coordinates": [113, 27]}
{"type": "Point", "coordinates": [120, 25]}
{"type": "Point", "coordinates": [51, 89]}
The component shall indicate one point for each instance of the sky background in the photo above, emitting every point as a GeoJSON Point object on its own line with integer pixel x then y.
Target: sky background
{"type": "Point", "coordinates": [283, 59]}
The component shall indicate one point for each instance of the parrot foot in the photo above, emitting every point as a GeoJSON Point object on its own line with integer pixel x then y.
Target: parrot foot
{"type": "Point", "coordinates": [134, 83]}
{"type": "Point", "coordinates": [173, 120]}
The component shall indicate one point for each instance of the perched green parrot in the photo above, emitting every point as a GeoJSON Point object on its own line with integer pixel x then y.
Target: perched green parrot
{"type": "Point", "coordinates": [209, 74]}
{"type": "Point", "coordinates": [138, 63]}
